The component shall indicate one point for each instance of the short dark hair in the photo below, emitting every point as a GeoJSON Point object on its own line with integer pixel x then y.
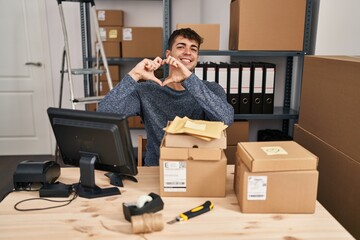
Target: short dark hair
{"type": "Point", "coordinates": [186, 33]}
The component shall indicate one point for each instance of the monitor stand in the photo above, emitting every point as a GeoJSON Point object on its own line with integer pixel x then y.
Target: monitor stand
{"type": "Point", "coordinates": [87, 187]}
{"type": "Point", "coordinates": [116, 179]}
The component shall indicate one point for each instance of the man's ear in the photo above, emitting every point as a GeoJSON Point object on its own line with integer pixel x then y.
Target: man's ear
{"type": "Point", "coordinates": [167, 53]}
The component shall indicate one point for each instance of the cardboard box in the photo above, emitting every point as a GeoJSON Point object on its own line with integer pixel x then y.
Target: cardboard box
{"type": "Point", "coordinates": [188, 141]}
{"type": "Point", "coordinates": [112, 49]}
{"type": "Point", "coordinates": [338, 180]}
{"type": "Point", "coordinates": [111, 34]}
{"type": "Point", "coordinates": [330, 100]}
{"type": "Point", "coordinates": [275, 25]}
{"type": "Point", "coordinates": [114, 73]}
{"type": "Point", "coordinates": [139, 42]}
{"type": "Point", "coordinates": [209, 32]}
{"type": "Point", "coordinates": [230, 153]}
{"type": "Point", "coordinates": [110, 17]}
{"type": "Point", "coordinates": [192, 172]}
{"type": "Point", "coordinates": [91, 107]}
{"type": "Point", "coordinates": [275, 189]}
{"type": "Point", "coordinates": [135, 122]}
{"type": "Point", "coordinates": [237, 132]}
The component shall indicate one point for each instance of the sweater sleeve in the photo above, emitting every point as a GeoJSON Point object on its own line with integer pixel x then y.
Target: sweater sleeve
{"type": "Point", "coordinates": [212, 97]}
{"type": "Point", "coordinates": [122, 99]}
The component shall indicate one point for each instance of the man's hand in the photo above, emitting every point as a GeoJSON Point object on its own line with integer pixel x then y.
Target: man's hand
{"type": "Point", "coordinates": [145, 70]}
{"type": "Point", "coordinates": [178, 71]}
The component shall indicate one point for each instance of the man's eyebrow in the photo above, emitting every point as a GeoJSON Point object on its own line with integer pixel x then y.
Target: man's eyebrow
{"type": "Point", "coordinates": [183, 44]}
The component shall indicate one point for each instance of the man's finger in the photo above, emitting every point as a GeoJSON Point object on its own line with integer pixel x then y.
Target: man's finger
{"type": "Point", "coordinates": [157, 81]}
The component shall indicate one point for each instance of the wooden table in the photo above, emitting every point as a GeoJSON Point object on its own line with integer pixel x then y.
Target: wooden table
{"type": "Point", "coordinates": [102, 218]}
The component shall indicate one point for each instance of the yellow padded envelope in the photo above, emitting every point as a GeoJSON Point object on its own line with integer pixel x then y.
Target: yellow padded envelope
{"type": "Point", "coordinates": [206, 130]}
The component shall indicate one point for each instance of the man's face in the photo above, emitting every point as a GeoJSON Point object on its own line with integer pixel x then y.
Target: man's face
{"type": "Point", "coordinates": [186, 51]}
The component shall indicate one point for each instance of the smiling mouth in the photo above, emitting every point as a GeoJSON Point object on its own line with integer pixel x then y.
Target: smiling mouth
{"type": "Point", "coordinates": [185, 60]}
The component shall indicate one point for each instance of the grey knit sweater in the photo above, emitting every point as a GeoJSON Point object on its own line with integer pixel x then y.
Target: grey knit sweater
{"type": "Point", "coordinates": [157, 105]}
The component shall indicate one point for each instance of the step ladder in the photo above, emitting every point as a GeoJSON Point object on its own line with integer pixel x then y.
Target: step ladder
{"type": "Point", "coordinates": [69, 71]}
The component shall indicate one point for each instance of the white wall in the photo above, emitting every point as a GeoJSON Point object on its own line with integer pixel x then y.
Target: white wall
{"type": "Point", "coordinates": [336, 27]}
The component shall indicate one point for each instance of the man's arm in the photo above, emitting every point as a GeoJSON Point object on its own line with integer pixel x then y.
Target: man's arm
{"type": "Point", "coordinates": [212, 98]}
{"type": "Point", "coordinates": [122, 99]}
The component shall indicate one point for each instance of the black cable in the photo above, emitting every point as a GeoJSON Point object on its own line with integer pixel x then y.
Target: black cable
{"type": "Point", "coordinates": [66, 202]}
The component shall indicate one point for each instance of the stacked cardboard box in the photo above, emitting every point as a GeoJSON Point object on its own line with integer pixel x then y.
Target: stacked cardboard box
{"type": "Point", "coordinates": [236, 132]}
{"type": "Point", "coordinates": [275, 177]}
{"type": "Point", "coordinates": [267, 25]}
{"type": "Point", "coordinates": [209, 32]}
{"type": "Point", "coordinates": [139, 42]}
{"type": "Point", "coordinates": [329, 127]}
{"type": "Point", "coordinates": [191, 167]}
{"type": "Point", "coordinates": [111, 23]}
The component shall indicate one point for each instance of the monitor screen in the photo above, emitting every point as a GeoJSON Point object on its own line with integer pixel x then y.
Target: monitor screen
{"type": "Point", "coordinates": [94, 140]}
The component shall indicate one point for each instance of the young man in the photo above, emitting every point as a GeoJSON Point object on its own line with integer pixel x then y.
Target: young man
{"type": "Point", "coordinates": [181, 94]}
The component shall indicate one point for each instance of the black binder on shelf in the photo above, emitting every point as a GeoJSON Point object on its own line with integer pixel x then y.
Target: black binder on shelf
{"type": "Point", "coordinates": [222, 76]}
{"type": "Point", "coordinates": [233, 85]}
{"type": "Point", "coordinates": [256, 87]}
{"type": "Point", "coordinates": [268, 88]}
{"type": "Point", "coordinates": [244, 88]}
{"type": "Point", "coordinates": [211, 72]}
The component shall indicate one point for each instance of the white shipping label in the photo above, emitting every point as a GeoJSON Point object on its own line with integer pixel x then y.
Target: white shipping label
{"type": "Point", "coordinates": [101, 15]}
{"type": "Point", "coordinates": [102, 34]}
{"type": "Point", "coordinates": [174, 176]}
{"type": "Point", "coordinates": [127, 34]}
{"type": "Point", "coordinates": [257, 186]}
{"type": "Point", "coordinates": [274, 150]}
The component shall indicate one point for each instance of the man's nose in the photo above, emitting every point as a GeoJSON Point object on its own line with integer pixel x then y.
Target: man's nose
{"type": "Point", "coordinates": [187, 50]}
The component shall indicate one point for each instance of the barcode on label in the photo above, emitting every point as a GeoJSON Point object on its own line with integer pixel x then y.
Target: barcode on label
{"type": "Point", "coordinates": [174, 183]}
{"type": "Point", "coordinates": [258, 195]}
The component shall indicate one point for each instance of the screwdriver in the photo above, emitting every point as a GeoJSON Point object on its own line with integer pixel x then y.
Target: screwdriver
{"type": "Point", "coordinates": [207, 206]}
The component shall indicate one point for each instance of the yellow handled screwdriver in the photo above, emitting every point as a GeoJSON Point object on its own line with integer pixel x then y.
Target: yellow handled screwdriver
{"type": "Point", "coordinates": [207, 206]}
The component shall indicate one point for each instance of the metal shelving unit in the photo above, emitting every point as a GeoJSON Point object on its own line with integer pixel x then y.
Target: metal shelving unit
{"type": "Point", "coordinates": [284, 113]}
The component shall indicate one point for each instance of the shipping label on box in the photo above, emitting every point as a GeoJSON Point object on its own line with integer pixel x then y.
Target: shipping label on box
{"type": "Point", "coordinates": [174, 176]}
{"type": "Point", "coordinates": [257, 187]}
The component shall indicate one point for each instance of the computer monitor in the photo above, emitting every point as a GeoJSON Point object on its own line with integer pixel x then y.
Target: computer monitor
{"type": "Point", "coordinates": [94, 140]}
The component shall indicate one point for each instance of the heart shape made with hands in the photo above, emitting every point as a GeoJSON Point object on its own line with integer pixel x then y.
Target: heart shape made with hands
{"type": "Point", "coordinates": [178, 72]}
